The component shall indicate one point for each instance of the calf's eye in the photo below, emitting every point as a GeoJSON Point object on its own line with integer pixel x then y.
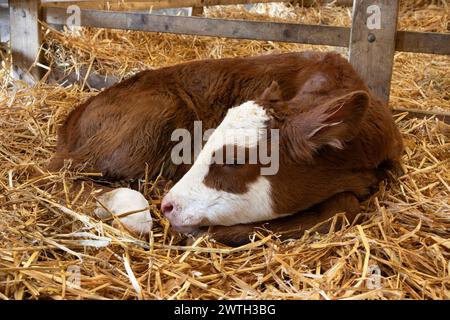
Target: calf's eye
{"type": "Point", "coordinates": [234, 163]}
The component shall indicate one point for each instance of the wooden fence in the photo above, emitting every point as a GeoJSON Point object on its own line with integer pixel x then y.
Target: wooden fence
{"type": "Point", "coordinates": [373, 38]}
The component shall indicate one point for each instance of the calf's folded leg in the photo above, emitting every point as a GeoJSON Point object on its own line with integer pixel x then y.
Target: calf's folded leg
{"type": "Point", "coordinates": [131, 208]}
{"type": "Point", "coordinates": [128, 206]}
{"type": "Point", "coordinates": [290, 227]}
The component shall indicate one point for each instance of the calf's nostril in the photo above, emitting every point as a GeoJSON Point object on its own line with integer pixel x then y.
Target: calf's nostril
{"type": "Point", "coordinates": [167, 208]}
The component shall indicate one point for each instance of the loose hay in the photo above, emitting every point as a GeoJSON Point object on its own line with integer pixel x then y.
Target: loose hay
{"type": "Point", "coordinates": [400, 250]}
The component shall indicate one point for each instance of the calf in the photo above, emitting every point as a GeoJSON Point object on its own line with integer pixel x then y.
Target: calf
{"type": "Point", "coordinates": [335, 139]}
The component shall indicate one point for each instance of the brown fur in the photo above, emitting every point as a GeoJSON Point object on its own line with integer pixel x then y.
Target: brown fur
{"type": "Point", "coordinates": [232, 176]}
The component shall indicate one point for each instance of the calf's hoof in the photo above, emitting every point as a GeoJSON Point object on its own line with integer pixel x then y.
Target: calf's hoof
{"type": "Point", "coordinates": [129, 206]}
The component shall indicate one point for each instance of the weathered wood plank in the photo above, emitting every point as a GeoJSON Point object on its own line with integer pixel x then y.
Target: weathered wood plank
{"type": "Point", "coordinates": [436, 43]}
{"type": "Point", "coordinates": [423, 42]}
{"type": "Point", "coordinates": [92, 80]}
{"type": "Point", "coordinates": [4, 24]}
{"type": "Point", "coordinates": [416, 113]}
{"type": "Point", "coordinates": [25, 39]}
{"type": "Point", "coordinates": [185, 3]}
{"type": "Point", "coordinates": [144, 4]}
{"type": "Point", "coordinates": [239, 29]}
{"type": "Point", "coordinates": [372, 44]}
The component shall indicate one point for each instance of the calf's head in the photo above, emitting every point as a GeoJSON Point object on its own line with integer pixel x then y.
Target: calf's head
{"type": "Point", "coordinates": [259, 164]}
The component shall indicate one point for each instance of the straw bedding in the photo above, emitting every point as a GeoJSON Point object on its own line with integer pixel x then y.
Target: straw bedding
{"type": "Point", "coordinates": [400, 250]}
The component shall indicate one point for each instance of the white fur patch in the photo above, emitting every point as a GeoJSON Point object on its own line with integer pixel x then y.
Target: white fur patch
{"type": "Point", "coordinates": [122, 201]}
{"type": "Point", "coordinates": [196, 204]}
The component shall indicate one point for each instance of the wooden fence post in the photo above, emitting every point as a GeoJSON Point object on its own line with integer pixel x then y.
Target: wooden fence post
{"type": "Point", "coordinates": [372, 43]}
{"type": "Point", "coordinates": [25, 38]}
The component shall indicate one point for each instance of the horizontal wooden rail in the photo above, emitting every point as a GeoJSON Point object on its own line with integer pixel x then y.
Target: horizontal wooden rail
{"type": "Point", "coordinates": [178, 3]}
{"type": "Point", "coordinates": [423, 42]}
{"type": "Point", "coordinates": [90, 4]}
{"type": "Point", "coordinates": [416, 113]}
{"type": "Point", "coordinates": [239, 29]}
{"type": "Point", "coordinates": [4, 24]}
{"type": "Point", "coordinates": [407, 41]}
{"type": "Point", "coordinates": [136, 4]}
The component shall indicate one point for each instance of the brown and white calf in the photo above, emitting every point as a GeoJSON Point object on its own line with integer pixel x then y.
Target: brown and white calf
{"type": "Point", "coordinates": [335, 141]}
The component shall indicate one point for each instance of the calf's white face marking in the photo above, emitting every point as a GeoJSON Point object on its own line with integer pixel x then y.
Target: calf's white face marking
{"type": "Point", "coordinates": [195, 204]}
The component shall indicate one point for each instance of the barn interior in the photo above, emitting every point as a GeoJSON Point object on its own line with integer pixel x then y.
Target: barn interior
{"type": "Point", "coordinates": [400, 248]}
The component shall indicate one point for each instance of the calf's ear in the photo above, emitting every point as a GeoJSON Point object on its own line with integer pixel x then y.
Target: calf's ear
{"type": "Point", "coordinates": [331, 124]}
{"type": "Point", "coordinates": [271, 94]}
